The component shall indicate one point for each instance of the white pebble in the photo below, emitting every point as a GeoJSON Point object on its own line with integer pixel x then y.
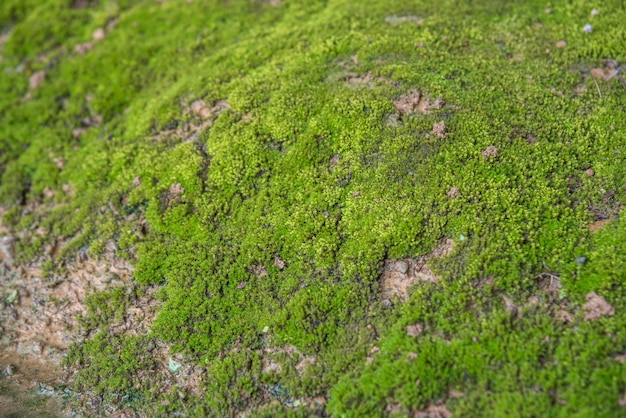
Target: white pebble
{"type": "Point", "coordinates": [587, 28]}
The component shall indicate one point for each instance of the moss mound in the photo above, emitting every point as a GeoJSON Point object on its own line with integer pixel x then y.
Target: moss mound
{"type": "Point", "coordinates": [272, 167]}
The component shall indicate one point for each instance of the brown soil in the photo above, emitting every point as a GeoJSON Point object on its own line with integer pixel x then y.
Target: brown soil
{"type": "Point", "coordinates": [200, 116]}
{"type": "Point", "coordinates": [416, 102]}
{"type": "Point", "coordinates": [39, 320]}
{"type": "Point", "coordinates": [433, 411]}
{"type": "Point", "coordinates": [399, 275]}
{"type": "Point", "coordinates": [27, 387]}
{"type": "Point", "coordinates": [596, 307]}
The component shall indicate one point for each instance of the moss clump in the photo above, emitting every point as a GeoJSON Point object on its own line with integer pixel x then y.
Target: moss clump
{"type": "Point", "coordinates": [266, 210]}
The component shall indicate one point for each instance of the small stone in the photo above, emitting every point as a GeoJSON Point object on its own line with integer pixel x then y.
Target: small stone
{"type": "Point", "coordinates": [137, 181]}
{"type": "Point", "coordinates": [401, 266]}
{"type": "Point", "coordinates": [9, 370]}
{"type": "Point", "coordinates": [36, 79]}
{"type": "Point", "coordinates": [548, 10]}
{"type": "Point", "coordinates": [439, 130]}
{"type": "Point", "coordinates": [621, 358]}
{"type": "Point", "coordinates": [590, 172]}
{"type": "Point", "coordinates": [411, 355]}
{"type": "Point", "coordinates": [414, 330]}
{"type": "Point", "coordinates": [48, 192]}
{"type": "Point", "coordinates": [278, 262]}
{"type": "Point", "coordinates": [37, 347]}
{"type": "Point", "coordinates": [82, 49]}
{"type": "Point", "coordinates": [594, 12]}
{"type": "Point", "coordinates": [98, 35]}
{"type": "Point", "coordinates": [265, 329]}
{"type": "Point", "coordinates": [564, 316]}
{"type": "Point", "coordinates": [177, 189]}
{"type": "Point", "coordinates": [454, 192]}
{"type": "Point", "coordinates": [490, 152]}
{"type": "Point", "coordinates": [94, 403]}
{"type": "Point", "coordinates": [200, 109]}
{"type": "Point", "coordinates": [561, 44]}
{"type": "Point", "coordinates": [587, 28]}
{"type": "Point", "coordinates": [59, 162]}
{"type": "Point", "coordinates": [78, 132]}
{"type": "Point", "coordinates": [509, 305]}
{"type": "Point", "coordinates": [581, 260]}
{"type": "Point", "coordinates": [173, 366]}
{"type": "Point", "coordinates": [112, 24]}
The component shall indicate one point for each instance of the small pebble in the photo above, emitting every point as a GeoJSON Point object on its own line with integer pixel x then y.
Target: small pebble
{"type": "Point", "coordinates": [594, 12]}
{"type": "Point", "coordinates": [587, 28]}
{"type": "Point", "coordinates": [490, 151]}
{"type": "Point", "coordinates": [561, 44]}
{"type": "Point", "coordinates": [454, 192]}
{"type": "Point", "coordinates": [98, 35]}
{"type": "Point", "coordinates": [36, 79]}
{"type": "Point", "coordinates": [590, 172]}
{"type": "Point", "coordinates": [9, 370]}
{"type": "Point", "coordinates": [401, 266]}
{"type": "Point", "coordinates": [174, 366]}
{"type": "Point", "coordinates": [581, 260]}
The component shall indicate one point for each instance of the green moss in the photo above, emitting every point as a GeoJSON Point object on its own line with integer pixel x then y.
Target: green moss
{"type": "Point", "coordinates": [269, 227]}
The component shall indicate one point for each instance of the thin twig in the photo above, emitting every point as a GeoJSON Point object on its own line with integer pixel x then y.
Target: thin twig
{"type": "Point", "coordinates": [546, 266]}
{"type": "Point", "coordinates": [597, 87]}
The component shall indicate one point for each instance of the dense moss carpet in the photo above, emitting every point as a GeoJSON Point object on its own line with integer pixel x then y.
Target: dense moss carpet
{"type": "Point", "coordinates": [343, 208]}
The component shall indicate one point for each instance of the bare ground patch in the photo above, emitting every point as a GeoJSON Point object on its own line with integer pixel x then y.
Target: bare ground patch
{"type": "Point", "coordinates": [198, 116]}
{"type": "Point", "coordinates": [39, 316]}
{"type": "Point", "coordinates": [417, 102]}
{"type": "Point", "coordinates": [399, 275]}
